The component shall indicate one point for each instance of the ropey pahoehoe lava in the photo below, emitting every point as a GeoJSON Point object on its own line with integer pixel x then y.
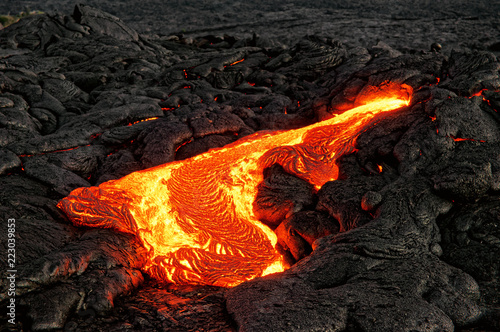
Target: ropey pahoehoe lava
{"type": "Point", "coordinates": [195, 216]}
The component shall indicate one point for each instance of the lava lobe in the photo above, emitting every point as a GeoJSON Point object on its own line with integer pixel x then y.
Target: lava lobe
{"type": "Point", "coordinates": [195, 216]}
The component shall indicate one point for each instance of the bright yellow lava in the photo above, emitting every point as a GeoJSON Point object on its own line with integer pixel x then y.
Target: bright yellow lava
{"type": "Point", "coordinates": [195, 216]}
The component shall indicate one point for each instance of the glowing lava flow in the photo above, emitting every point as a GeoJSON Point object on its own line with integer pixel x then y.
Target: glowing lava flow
{"type": "Point", "coordinates": [195, 216]}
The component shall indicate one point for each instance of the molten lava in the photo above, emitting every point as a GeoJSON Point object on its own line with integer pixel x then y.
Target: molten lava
{"type": "Point", "coordinates": [195, 216]}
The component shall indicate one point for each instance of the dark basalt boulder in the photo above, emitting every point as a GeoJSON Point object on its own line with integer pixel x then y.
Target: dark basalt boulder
{"type": "Point", "coordinates": [160, 142]}
{"type": "Point", "coordinates": [198, 146]}
{"type": "Point", "coordinates": [87, 19]}
{"type": "Point", "coordinates": [280, 195]}
{"type": "Point", "coordinates": [342, 200]}
{"type": "Point", "coordinates": [297, 233]}
{"type": "Point", "coordinates": [61, 180]}
{"type": "Point", "coordinates": [8, 161]}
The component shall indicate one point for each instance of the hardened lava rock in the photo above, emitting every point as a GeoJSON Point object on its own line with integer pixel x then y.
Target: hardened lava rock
{"type": "Point", "coordinates": [405, 240]}
{"type": "Point", "coordinates": [280, 195]}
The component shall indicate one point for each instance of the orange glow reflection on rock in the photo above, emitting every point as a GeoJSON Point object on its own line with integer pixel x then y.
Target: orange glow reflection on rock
{"type": "Point", "coordinates": [195, 216]}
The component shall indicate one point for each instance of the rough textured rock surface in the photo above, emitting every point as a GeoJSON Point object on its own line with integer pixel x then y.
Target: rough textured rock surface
{"type": "Point", "coordinates": [407, 238]}
{"type": "Point", "coordinates": [280, 195]}
{"type": "Point", "coordinates": [403, 25]}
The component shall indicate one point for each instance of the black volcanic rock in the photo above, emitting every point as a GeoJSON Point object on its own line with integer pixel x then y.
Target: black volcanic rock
{"type": "Point", "coordinates": [378, 298]}
{"type": "Point", "coordinates": [54, 312]}
{"type": "Point", "coordinates": [86, 19]}
{"type": "Point", "coordinates": [389, 258]}
{"type": "Point", "coordinates": [203, 144]}
{"type": "Point", "coordinates": [406, 238]}
{"type": "Point", "coordinates": [342, 200]}
{"type": "Point", "coordinates": [215, 123]}
{"type": "Point", "coordinates": [60, 179]}
{"type": "Point", "coordinates": [159, 143]}
{"type": "Point", "coordinates": [8, 161]}
{"type": "Point", "coordinates": [469, 72]}
{"type": "Point", "coordinates": [297, 233]}
{"type": "Point", "coordinates": [280, 195]}
{"type": "Point", "coordinates": [464, 118]}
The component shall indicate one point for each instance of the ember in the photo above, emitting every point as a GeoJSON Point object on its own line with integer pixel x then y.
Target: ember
{"type": "Point", "coordinates": [136, 122]}
{"type": "Point", "coordinates": [195, 216]}
{"type": "Point", "coordinates": [236, 62]}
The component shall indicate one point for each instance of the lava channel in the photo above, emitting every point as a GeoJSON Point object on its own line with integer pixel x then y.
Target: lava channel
{"type": "Point", "coordinates": [195, 216]}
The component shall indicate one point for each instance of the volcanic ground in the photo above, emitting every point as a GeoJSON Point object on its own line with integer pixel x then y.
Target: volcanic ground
{"type": "Point", "coordinates": [407, 238]}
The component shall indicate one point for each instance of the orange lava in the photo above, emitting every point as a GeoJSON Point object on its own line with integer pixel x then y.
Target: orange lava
{"type": "Point", "coordinates": [236, 62]}
{"type": "Point", "coordinates": [195, 216]}
{"type": "Point", "coordinates": [460, 139]}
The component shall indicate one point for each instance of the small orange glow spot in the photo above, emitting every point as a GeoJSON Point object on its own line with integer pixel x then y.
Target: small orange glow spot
{"type": "Point", "coordinates": [185, 73]}
{"type": "Point", "coordinates": [479, 93]}
{"type": "Point", "coordinates": [460, 139]}
{"type": "Point", "coordinates": [184, 143]}
{"type": "Point", "coordinates": [433, 118]}
{"type": "Point", "coordinates": [195, 216]}
{"type": "Point", "coordinates": [379, 168]}
{"type": "Point", "coordinates": [143, 120]}
{"type": "Point", "coordinates": [251, 83]}
{"type": "Point", "coordinates": [215, 99]}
